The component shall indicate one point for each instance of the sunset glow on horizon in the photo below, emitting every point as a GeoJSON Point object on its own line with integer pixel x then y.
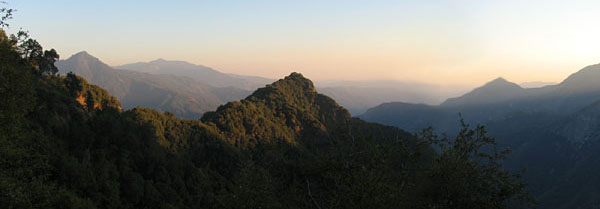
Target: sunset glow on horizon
{"type": "Point", "coordinates": [440, 42]}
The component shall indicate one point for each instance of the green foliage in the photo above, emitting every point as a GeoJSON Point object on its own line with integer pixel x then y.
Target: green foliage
{"type": "Point", "coordinates": [183, 96]}
{"type": "Point", "coordinates": [65, 143]}
{"type": "Point", "coordinates": [25, 167]}
{"type": "Point", "coordinates": [46, 62]}
{"type": "Point", "coordinates": [468, 173]}
{"type": "Point", "coordinates": [6, 15]}
{"type": "Point", "coordinates": [16, 86]}
{"type": "Point", "coordinates": [287, 111]}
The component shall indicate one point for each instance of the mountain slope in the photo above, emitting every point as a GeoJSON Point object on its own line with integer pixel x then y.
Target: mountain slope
{"type": "Point", "coordinates": [200, 73]}
{"type": "Point", "coordinates": [181, 95]}
{"type": "Point", "coordinates": [553, 131]}
{"type": "Point", "coordinates": [579, 90]}
{"type": "Point", "coordinates": [582, 127]}
{"type": "Point", "coordinates": [498, 90]}
{"type": "Point", "coordinates": [285, 146]}
{"type": "Point", "coordinates": [65, 143]}
{"type": "Point", "coordinates": [583, 81]}
{"type": "Point", "coordinates": [497, 98]}
{"type": "Point", "coordinates": [285, 111]}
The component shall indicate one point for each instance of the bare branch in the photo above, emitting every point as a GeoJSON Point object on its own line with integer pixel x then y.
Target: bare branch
{"type": "Point", "coordinates": [310, 194]}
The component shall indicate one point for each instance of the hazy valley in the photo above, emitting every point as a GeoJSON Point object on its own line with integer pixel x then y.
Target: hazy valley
{"type": "Point", "coordinates": [396, 116]}
{"type": "Point", "coordinates": [189, 90]}
{"type": "Point", "coordinates": [549, 123]}
{"type": "Point", "coordinates": [551, 130]}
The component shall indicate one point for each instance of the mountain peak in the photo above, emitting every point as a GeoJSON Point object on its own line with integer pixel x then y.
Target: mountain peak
{"type": "Point", "coordinates": [84, 65]}
{"type": "Point", "coordinates": [164, 66]}
{"type": "Point", "coordinates": [84, 58]}
{"type": "Point", "coordinates": [290, 105]}
{"type": "Point", "coordinates": [82, 54]}
{"type": "Point", "coordinates": [295, 81]}
{"type": "Point", "coordinates": [172, 63]}
{"type": "Point", "coordinates": [159, 60]}
{"type": "Point", "coordinates": [293, 88]}
{"type": "Point", "coordinates": [500, 82]}
{"type": "Point", "coordinates": [296, 75]}
{"type": "Point", "coordinates": [200, 73]}
{"type": "Point", "coordinates": [497, 90]}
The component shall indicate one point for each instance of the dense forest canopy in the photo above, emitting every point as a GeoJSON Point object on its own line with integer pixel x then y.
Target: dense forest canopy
{"type": "Point", "coordinates": [65, 143]}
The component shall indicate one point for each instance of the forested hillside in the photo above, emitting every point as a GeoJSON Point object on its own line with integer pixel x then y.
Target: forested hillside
{"type": "Point", "coordinates": [65, 143]}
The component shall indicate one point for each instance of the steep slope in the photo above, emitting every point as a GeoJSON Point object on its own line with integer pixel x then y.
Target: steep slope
{"type": "Point", "coordinates": [65, 143]}
{"type": "Point", "coordinates": [181, 95]}
{"type": "Point", "coordinates": [93, 70]}
{"type": "Point", "coordinates": [491, 101]}
{"type": "Point", "coordinates": [200, 73]}
{"type": "Point", "coordinates": [289, 110]}
{"type": "Point", "coordinates": [285, 146]}
{"type": "Point", "coordinates": [581, 82]}
{"type": "Point", "coordinates": [100, 157]}
{"type": "Point", "coordinates": [583, 127]}
{"type": "Point", "coordinates": [579, 90]}
{"type": "Point", "coordinates": [557, 152]}
{"type": "Point", "coordinates": [498, 99]}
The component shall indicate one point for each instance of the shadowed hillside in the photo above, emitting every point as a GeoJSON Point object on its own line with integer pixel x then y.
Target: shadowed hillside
{"type": "Point", "coordinates": [70, 145]}
{"type": "Point", "coordinates": [552, 131]}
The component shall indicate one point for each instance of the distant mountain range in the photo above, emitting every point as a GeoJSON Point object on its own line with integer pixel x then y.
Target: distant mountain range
{"type": "Point", "coordinates": [189, 90]}
{"type": "Point", "coordinates": [554, 131]}
{"type": "Point", "coordinates": [497, 98]}
{"type": "Point", "coordinates": [200, 73]}
{"type": "Point", "coordinates": [184, 96]}
{"type": "Point", "coordinates": [358, 96]}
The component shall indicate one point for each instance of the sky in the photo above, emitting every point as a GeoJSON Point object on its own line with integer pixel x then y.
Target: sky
{"type": "Point", "coordinates": [441, 42]}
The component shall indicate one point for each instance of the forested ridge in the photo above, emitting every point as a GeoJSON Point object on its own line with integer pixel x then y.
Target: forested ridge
{"type": "Point", "coordinates": [65, 143]}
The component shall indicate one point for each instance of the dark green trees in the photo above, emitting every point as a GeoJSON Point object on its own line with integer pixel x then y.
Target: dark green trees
{"type": "Point", "coordinates": [42, 60]}
{"type": "Point", "coordinates": [468, 173]}
{"type": "Point", "coordinates": [65, 143]}
{"type": "Point", "coordinates": [46, 61]}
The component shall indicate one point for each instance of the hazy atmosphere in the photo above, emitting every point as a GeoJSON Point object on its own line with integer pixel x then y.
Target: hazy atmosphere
{"type": "Point", "coordinates": [300, 104]}
{"type": "Point", "coordinates": [458, 42]}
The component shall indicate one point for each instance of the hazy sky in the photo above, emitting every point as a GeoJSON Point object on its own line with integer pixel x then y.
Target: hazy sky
{"type": "Point", "coordinates": [468, 42]}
